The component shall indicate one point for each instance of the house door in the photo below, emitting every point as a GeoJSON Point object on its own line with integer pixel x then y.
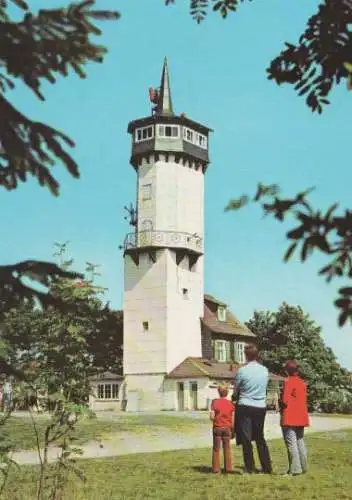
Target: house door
{"type": "Point", "coordinates": [194, 396]}
{"type": "Point", "coordinates": [181, 396]}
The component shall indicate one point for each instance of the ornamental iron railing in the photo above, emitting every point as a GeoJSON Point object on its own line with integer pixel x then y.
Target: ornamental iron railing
{"type": "Point", "coordinates": [172, 239]}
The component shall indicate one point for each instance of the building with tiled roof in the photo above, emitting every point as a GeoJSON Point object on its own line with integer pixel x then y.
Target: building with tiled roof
{"type": "Point", "coordinates": [192, 383]}
{"type": "Point", "coordinates": [178, 343]}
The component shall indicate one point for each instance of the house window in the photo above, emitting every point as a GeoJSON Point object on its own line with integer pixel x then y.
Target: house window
{"type": "Point", "coordinates": [168, 131]}
{"type": "Point", "coordinates": [221, 313]}
{"type": "Point", "coordinates": [143, 134]}
{"type": "Point", "coordinates": [146, 192]}
{"type": "Point", "coordinates": [222, 350]}
{"type": "Point", "coordinates": [239, 352]}
{"type": "Point", "coordinates": [145, 325]}
{"type": "Point", "coordinates": [108, 391]}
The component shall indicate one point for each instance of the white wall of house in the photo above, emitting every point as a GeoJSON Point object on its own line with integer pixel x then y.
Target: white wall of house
{"type": "Point", "coordinates": [99, 398]}
{"type": "Point", "coordinates": [153, 393]}
{"type": "Point", "coordinates": [207, 391]}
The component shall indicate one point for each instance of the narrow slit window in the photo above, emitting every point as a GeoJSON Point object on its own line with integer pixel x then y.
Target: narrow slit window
{"type": "Point", "coordinates": [146, 192]}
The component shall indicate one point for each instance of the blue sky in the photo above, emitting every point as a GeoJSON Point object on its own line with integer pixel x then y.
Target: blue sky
{"type": "Point", "coordinates": [261, 133]}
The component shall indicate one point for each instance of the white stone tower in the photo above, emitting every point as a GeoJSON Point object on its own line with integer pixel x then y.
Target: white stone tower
{"type": "Point", "coordinates": [163, 289]}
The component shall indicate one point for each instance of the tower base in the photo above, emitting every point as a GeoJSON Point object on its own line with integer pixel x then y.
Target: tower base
{"type": "Point", "coordinates": [145, 392]}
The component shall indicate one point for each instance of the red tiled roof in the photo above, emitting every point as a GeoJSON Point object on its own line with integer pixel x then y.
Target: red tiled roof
{"type": "Point", "coordinates": [231, 326]}
{"type": "Point", "coordinates": [211, 298]}
{"type": "Point", "coordinates": [200, 368]}
{"type": "Point", "coordinates": [203, 368]}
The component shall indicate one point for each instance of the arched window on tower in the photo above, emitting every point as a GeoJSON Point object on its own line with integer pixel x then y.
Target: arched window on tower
{"type": "Point", "coordinates": [147, 225]}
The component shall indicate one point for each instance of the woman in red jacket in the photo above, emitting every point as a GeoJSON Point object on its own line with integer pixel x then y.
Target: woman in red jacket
{"type": "Point", "coordinates": [294, 418]}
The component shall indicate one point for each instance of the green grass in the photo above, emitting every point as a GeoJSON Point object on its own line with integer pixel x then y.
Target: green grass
{"type": "Point", "coordinates": [185, 475]}
{"type": "Point", "coordinates": [333, 415]}
{"type": "Point", "coordinates": [19, 431]}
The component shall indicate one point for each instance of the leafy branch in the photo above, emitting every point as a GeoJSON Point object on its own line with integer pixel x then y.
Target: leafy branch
{"type": "Point", "coordinates": [327, 233]}
{"type": "Point", "coordinates": [199, 8]}
{"type": "Point", "coordinates": [13, 291]}
{"type": "Point", "coordinates": [36, 48]}
{"type": "Point", "coordinates": [317, 62]}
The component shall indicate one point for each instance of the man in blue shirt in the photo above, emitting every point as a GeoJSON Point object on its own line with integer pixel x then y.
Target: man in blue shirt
{"type": "Point", "coordinates": [250, 386]}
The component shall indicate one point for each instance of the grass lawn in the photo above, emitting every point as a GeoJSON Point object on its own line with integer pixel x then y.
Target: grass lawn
{"type": "Point", "coordinates": [19, 430]}
{"type": "Point", "coordinates": [185, 475]}
{"type": "Point", "coordinates": [332, 415]}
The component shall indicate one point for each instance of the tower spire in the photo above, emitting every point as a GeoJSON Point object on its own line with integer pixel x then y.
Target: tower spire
{"type": "Point", "coordinates": [164, 107]}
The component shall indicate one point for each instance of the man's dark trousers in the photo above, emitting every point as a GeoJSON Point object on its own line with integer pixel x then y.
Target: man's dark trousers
{"type": "Point", "coordinates": [250, 427]}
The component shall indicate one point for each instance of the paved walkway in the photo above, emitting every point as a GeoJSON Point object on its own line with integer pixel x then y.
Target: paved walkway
{"type": "Point", "coordinates": [163, 440]}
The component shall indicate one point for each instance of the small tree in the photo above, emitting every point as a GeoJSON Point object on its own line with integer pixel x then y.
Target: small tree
{"type": "Point", "coordinates": [55, 350]}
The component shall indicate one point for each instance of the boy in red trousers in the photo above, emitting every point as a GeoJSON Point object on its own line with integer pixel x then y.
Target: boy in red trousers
{"type": "Point", "coordinates": [222, 416]}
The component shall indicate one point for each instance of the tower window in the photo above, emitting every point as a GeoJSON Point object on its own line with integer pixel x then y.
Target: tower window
{"type": "Point", "coordinates": [147, 225]}
{"type": "Point", "coordinates": [146, 192]}
{"type": "Point", "coordinates": [188, 134]}
{"type": "Point", "coordinates": [199, 140]}
{"type": "Point", "coordinates": [168, 131]}
{"type": "Point", "coordinates": [202, 141]}
{"type": "Point", "coordinates": [145, 325]}
{"type": "Point", "coordinates": [185, 293]}
{"type": "Point", "coordinates": [143, 134]}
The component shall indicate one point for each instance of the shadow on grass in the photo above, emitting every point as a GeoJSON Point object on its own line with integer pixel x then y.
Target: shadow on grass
{"type": "Point", "coordinates": [205, 469]}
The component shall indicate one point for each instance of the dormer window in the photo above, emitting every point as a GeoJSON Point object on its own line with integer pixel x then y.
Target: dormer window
{"type": "Point", "coordinates": [221, 313]}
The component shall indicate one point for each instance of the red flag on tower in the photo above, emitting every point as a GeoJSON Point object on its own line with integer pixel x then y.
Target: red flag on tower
{"type": "Point", "coordinates": [153, 95]}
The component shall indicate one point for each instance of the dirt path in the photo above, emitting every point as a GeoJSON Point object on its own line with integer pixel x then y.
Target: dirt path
{"type": "Point", "coordinates": [164, 440]}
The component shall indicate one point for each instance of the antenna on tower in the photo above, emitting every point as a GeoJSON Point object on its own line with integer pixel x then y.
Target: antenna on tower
{"type": "Point", "coordinates": [131, 216]}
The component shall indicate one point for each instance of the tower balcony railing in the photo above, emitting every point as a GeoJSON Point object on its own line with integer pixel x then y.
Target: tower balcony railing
{"type": "Point", "coordinates": [173, 239]}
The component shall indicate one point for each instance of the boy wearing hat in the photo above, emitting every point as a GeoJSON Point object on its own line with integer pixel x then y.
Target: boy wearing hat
{"type": "Point", "coordinates": [222, 416]}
